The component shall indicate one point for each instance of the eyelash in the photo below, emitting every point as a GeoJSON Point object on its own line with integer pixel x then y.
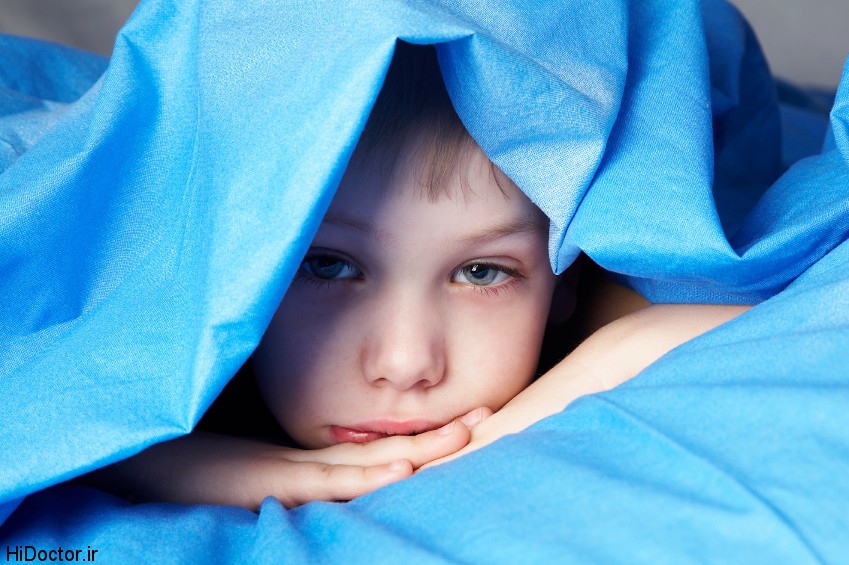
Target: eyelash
{"type": "Point", "coordinates": [486, 290]}
{"type": "Point", "coordinates": [304, 276]}
{"type": "Point", "coordinates": [315, 281]}
{"type": "Point", "coordinates": [493, 290]}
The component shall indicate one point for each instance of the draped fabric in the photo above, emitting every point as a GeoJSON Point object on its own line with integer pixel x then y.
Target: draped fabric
{"type": "Point", "coordinates": [154, 207]}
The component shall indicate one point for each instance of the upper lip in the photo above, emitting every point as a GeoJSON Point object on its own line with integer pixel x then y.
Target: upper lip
{"type": "Point", "coordinates": [395, 427]}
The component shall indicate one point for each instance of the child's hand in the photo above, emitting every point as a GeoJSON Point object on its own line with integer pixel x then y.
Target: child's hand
{"type": "Point", "coordinates": [216, 469]}
{"type": "Point", "coordinates": [612, 355]}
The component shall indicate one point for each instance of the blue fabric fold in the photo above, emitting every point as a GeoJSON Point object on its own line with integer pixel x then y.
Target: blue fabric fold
{"type": "Point", "coordinates": [154, 207]}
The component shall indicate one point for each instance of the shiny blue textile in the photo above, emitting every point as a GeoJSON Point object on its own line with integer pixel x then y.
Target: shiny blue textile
{"type": "Point", "coordinates": [152, 213]}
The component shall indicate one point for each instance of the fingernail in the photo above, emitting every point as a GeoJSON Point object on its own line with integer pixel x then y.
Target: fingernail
{"type": "Point", "coordinates": [473, 418]}
{"type": "Point", "coordinates": [446, 429]}
{"type": "Point", "coordinates": [399, 465]}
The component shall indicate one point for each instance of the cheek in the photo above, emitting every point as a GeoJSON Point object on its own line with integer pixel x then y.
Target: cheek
{"type": "Point", "coordinates": [495, 347]}
{"type": "Point", "coordinates": [300, 359]}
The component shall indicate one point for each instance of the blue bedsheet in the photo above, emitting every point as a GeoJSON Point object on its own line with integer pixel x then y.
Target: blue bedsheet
{"type": "Point", "coordinates": [154, 207]}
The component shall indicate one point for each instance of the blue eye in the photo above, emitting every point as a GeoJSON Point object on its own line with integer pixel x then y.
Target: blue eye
{"type": "Point", "coordinates": [481, 274]}
{"type": "Point", "coordinates": [329, 267]}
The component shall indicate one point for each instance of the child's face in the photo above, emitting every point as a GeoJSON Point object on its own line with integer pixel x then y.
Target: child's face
{"type": "Point", "coordinates": [408, 313]}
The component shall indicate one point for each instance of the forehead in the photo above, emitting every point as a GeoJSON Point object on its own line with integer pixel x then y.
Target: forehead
{"type": "Point", "coordinates": [398, 226]}
{"type": "Point", "coordinates": [406, 171]}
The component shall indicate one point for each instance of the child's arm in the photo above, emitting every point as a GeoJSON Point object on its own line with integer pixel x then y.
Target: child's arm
{"type": "Point", "coordinates": [214, 469]}
{"type": "Point", "coordinates": [203, 468]}
{"type": "Point", "coordinates": [609, 357]}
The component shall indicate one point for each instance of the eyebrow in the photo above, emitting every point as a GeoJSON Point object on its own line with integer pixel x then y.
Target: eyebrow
{"type": "Point", "coordinates": [347, 223]}
{"type": "Point", "coordinates": [512, 227]}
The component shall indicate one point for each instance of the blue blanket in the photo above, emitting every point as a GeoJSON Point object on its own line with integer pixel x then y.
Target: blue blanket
{"type": "Point", "coordinates": [154, 207]}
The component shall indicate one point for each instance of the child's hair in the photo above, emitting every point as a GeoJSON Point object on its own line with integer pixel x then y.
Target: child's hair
{"type": "Point", "coordinates": [414, 104]}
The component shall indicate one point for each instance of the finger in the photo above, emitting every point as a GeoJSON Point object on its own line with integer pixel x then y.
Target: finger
{"type": "Point", "coordinates": [476, 416]}
{"type": "Point", "coordinates": [418, 449]}
{"type": "Point", "coordinates": [475, 444]}
{"type": "Point", "coordinates": [320, 481]}
{"type": "Point", "coordinates": [450, 457]}
{"type": "Point", "coordinates": [481, 436]}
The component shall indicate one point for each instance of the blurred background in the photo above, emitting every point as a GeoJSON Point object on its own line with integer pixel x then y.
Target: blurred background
{"type": "Point", "coordinates": [806, 41]}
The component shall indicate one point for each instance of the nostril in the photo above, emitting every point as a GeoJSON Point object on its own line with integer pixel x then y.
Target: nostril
{"type": "Point", "coordinates": [402, 354]}
{"type": "Point", "coordinates": [407, 376]}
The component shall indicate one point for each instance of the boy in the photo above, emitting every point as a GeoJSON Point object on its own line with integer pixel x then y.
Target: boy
{"type": "Point", "coordinates": [418, 311]}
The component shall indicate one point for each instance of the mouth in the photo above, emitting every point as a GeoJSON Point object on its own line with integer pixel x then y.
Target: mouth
{"type": "Point", "coordinates": [379, 429]}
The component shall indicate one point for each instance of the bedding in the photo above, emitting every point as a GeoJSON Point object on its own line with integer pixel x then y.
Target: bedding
{"type": "Point", "coordinates": [154, 207]}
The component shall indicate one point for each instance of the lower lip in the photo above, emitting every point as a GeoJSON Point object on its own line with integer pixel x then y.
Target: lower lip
{"type": "Point", "coordinates": [346, 435]}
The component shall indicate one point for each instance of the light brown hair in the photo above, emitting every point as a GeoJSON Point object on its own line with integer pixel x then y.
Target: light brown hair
{"type": "Point", "coordinates": [414, 104]}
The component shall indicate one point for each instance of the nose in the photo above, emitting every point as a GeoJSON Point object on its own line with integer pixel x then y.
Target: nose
{"type": "Point", "coordinates": [405, 346]}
